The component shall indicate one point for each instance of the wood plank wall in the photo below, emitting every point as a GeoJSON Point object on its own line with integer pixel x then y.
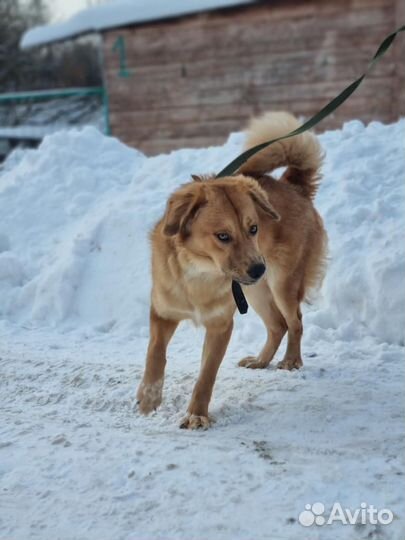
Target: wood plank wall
{"type": "Point", "coordinates": [193, 80]}
{"type": "Point", "coordinates": [399, 91]}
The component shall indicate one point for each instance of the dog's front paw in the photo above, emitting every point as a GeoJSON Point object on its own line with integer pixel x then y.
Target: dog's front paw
{"type": "Point", "coordinates": [149, 396]}
{"type": "Point", "coordinates": [253, 363]}
{"type": "Point", "coordinates": [290, 363]}
{"type": "Point", "coordinates": [194, 421]}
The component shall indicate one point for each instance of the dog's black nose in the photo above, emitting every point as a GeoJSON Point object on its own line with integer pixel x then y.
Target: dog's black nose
{"type": "Point", "coordinates": [256, 270]}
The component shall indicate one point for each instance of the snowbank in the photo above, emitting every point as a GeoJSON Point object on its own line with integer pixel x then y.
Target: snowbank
{"type": "Point", "coordinates": [77, 461]}
{"type": "Point", "coordinates": [76, 213]}
{"type": "Point", "coordinates": [363, 201]}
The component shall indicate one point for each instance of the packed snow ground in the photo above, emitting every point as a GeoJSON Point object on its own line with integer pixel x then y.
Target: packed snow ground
{"type": "Point", "coordinates": [78, 462]}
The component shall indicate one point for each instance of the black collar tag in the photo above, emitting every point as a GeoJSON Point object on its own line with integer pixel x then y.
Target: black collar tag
{"type": "Point", "coordinates": [239, 298]}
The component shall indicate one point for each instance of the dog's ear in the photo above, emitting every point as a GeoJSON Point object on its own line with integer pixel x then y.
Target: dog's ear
{"type": "Point", "coordinates": [197, 178]}
{"type": "Point", "coordinates": [181, 210]}
{"type": "Point", "coordinates": [262, 203]}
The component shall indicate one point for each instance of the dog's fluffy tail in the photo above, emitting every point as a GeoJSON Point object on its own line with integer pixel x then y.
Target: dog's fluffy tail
{"type": "Point", "coordinates": [301, 154]}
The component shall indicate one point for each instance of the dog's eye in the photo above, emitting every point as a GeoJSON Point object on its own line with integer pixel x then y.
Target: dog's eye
{"type": "Point", "coordinates": [253, 230]}
{"type": "Point", "coordinates": [224, 237]}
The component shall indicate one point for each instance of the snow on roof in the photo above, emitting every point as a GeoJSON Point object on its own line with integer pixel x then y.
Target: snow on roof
{"type": "Point", "coordinates": [119, 13]}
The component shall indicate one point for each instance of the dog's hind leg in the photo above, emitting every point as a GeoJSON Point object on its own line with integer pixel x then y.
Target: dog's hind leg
{"type": "Point", "coordinates": [288, 296]}
{"type": "Point", "coordinates": [260, 298]}
{"type": "Point", "coordinates": [216, 341]}
{"type": "Point", "coordinates": [149, 393]}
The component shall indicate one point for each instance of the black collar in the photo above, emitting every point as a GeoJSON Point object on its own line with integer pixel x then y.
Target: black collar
{"type": "Point", "coordinates": [239, 298]}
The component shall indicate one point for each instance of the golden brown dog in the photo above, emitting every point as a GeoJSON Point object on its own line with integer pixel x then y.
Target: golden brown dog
{"type": "Point", "coordinates": [263, 233]}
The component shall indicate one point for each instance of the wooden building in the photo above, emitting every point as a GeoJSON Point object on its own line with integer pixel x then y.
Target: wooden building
{"type": "Point", "coordinates": [189, 79]}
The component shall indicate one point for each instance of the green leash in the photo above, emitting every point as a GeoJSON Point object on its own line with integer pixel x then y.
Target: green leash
{"type": "Point", "coordinates": [234, 165]}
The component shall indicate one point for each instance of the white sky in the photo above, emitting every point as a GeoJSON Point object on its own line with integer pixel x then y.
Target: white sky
{"type": "Point", "coordinates": [60, 10]}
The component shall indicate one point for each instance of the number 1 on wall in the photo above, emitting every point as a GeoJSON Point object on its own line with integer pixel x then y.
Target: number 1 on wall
{"type": "Point", "coordinates": [119, 47]}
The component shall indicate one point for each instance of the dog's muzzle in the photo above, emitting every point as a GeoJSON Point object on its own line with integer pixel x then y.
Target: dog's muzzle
{"type": "Point", "coordinates": [256, 271]}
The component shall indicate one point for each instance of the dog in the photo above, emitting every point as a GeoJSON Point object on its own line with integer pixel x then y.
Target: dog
{"type": "Point", "coordinates": [261, 232]}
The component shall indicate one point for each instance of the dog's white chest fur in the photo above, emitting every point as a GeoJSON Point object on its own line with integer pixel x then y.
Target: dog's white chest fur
{"type": "Point", "coordinates": [200, 305]}
{"type": "Point", "coordinates": [202, 317]}
{"type": "Point", "coordinates": [197, 316]}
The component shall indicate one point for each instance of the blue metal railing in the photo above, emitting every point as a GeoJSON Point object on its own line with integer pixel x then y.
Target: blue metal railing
{"type": "Point", "coordinates": [60, 93]}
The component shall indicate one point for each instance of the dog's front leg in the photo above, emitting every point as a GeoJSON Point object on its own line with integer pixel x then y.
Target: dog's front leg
{"type": "Point", "coordinates": [215, 344]}
{"type": "Point", "coordinates": [149, 393]}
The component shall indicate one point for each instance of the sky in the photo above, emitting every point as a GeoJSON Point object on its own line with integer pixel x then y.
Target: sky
{"type": "Point", "coordinates": [61, 10]}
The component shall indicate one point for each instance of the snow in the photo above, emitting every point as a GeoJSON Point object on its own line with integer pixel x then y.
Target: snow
{"type": "Point", "coordinates": [77, 214]}
{"type": "Point", "coordinates": [120, 13]}
{"type": "Point", "coordinates": [27, 132]}
{"type": "Point", "coordinates": [76, 459]}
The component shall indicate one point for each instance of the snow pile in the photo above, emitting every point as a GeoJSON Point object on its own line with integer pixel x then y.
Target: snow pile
{"type": "Point", "coordinates": [78, 461]}
{"type": "Point", "coordinates": [362, 201]}
{"type": "Point", "coordinates": [76, 213]}
{"type": "Point", "coordinates": [120, 13]}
